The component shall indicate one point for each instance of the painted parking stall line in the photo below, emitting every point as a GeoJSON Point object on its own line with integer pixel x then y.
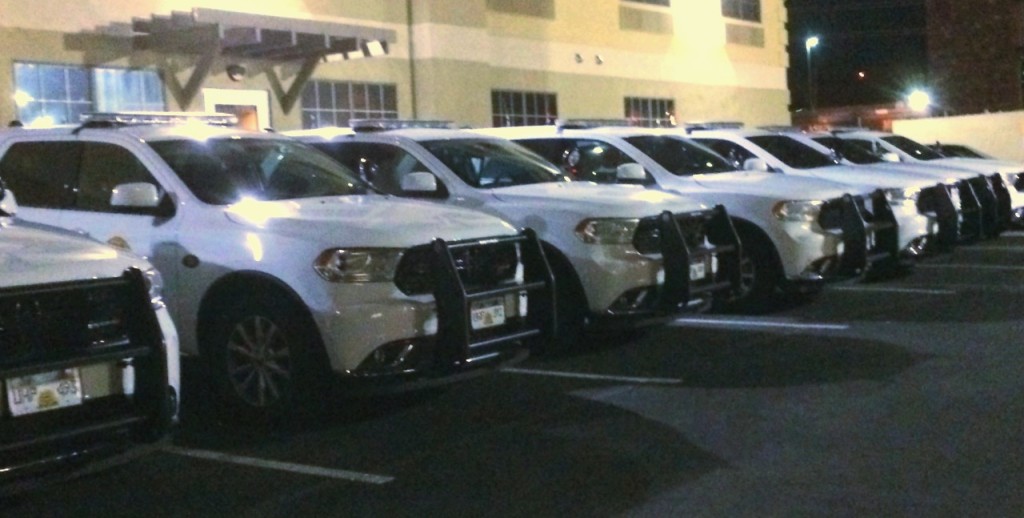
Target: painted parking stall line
{"type": "Point", "coordinates": [951, 266]}
{"type": "Point", "coordinates": [894, 289]}
{"type": "Point", "coordinates": [746, 323]}
{"type": "Point", "coordinates": [290, 467]}
{"type": "Point", "coordinates": [594, 377]}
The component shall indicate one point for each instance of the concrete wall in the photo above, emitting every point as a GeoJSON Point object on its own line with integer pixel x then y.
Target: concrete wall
{"type": "Point", "coordinates": [998, 134]}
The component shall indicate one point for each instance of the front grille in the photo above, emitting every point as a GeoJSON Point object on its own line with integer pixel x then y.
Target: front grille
{"type": "Point", "coordinates": [47, 328]}
{"type": "Point", "coordinates": [40, 325]}
{"type": "Point", "coordinates": [694, 227]}
{"type": "Point", "coordinates": [482, 265]}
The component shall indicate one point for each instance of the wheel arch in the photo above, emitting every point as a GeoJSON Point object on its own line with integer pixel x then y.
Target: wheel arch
{"type": "Point", "coordinates": [745, 226]}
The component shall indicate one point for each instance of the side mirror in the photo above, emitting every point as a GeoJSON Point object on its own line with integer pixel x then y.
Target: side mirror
{"type": "Point", "coordinates": [755, 164]}
{"type": "Point", "coordinates": [630, 173]}
{"type": "Point", "coordinates": [138, 195]}
{"type": "Point", "coordinates": [889, 156]}
{"type": "Point", "coordinates": [8, 205]}
{"type": "Point", "coordinates": [419, 182]}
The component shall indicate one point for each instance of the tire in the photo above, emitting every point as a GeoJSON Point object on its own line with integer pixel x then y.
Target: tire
{"type": "Point", "coordinates": [265, 358]}
{"type": "Point", "coordinates": [572, 310]}
{"type": "Point", "coordinates": [760, 273]}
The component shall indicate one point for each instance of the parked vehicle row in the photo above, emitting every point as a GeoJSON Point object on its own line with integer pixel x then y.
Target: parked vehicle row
{"type": "Point", "coordinates": [396, 255]}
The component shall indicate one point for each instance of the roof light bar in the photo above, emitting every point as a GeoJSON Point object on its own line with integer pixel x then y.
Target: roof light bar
{"type": "Point", "coordinates": [592, 123]}
{"type": "Point", "coordinates": [143, 118]}
{"type": "Point", "coordinates": [372, 125]}
{"type": "Point", "coordinates": [710, 125]}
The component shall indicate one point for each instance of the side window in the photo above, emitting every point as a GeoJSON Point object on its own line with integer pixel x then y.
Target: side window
{"type": "Point", "coordinates": [735, 153]}
{"type": "Point", "coordinates": [580, 159]}
{"type": "Point", "coordinates": [42, 174]}
{"type": "Point", "coordinates": [104, 166]}
{"type": "Point", "coordinates": [382, 165]}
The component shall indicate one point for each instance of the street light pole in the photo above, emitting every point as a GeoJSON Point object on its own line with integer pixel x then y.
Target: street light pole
{"type": "Point", "coordinates": [809, 44]}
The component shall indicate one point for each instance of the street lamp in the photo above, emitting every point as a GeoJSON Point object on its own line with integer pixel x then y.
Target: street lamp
{"type": "Point", "coordinates": [809, 44]}
{"type": "Point", "coordinates": [919, 100]}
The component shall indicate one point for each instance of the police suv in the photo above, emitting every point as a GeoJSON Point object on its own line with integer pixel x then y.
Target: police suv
{"type": "Point", "coordinates": [88, 352]}
{"type": "Point", "coordinates": [795, 232]}
{"type": "Point", "coordinates": [621, 256]}
{"type": "Point", "coordinates": [284, 271]}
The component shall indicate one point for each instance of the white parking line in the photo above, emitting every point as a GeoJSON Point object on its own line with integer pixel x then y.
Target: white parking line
{"type": "Point", "coordinates": [893, 289]}
{"type": "Point", "coordinates": [742, 322]}
{"type": "Point", "coordinates": [597, 377]}
{"type": "Point", "coordinates": [983, 248]}
{"type": "Point", "coordinates": [290, 467]}
{"type": "Point", "coordinates": [1013, 233]}
{"type": "Point", "coordinates": [971, 266]}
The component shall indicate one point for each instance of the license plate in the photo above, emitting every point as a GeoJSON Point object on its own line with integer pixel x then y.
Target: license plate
{"type": "Point", "coordinates": [42, 392]}
{"type": "Point", "coordinates": [487, 313]}
{"type": "Point", "coordinates": [698, 271]}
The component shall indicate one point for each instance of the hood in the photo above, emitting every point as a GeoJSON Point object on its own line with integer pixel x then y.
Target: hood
{"type": "Point", "coordinates": [32, 254]}
{"type": "Point", "coordinates": [589, 199]}
{"type": "Point", "coordinates": [935, 172]}
{"type": "Point", "coordinates": [868, 175]}
{"type": "Point", "coordinates": [980, 165]}
{"type": "Point", "coordinates": [366, 220]}
{"type": "Point", "coordinates": [775, 185]}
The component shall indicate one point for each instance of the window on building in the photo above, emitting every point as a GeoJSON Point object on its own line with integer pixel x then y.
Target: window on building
{"type": "Point", "coordinates": [335, 103]}
{"type": "Point", "coordinates": [59, 94]}
{"type": "Point", "coordinates": [666, 3]}
{"type": "Point", "coordinates": [516, 108]}
{"type": "Point", "coordinates": [643, 111]}
{"type": "Point", "coordinates": [749, 10]}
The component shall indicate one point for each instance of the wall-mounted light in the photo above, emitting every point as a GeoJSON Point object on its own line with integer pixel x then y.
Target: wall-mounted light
{"type": "Point", "coordinates": [598, 60]}
{"type": "Point", "coordinates": [235, 72]}
{"type": "Point", "coordinates": [579, 57]}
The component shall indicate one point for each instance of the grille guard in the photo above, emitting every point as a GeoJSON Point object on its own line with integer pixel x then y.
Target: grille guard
{"type": "Point", "coordinates": [456, 345]}
{"type": "Point", "coordinates": [36, 441]}
{"type": "Point", "coordinates": [858, 257]}
{"type": "Point", "coordinates": [1004, 210]}
{"type": "Point", "coordinates": [972, 226]}
{"type": "Point", "coordinates": [677, 289]}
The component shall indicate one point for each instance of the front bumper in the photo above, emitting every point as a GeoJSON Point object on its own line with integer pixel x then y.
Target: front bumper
{"type": "Point", "coordinates": [403, 341]}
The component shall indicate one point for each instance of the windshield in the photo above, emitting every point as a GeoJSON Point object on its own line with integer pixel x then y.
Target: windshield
{"type": "Point", "coordinates": [792, 152]}
{"type": "Point", "coordinates": [848, 150]}
{"type": "Point", "coordinates": [491, 163]}
{"type": "Point", "coordinates": [914, 149]}
{"type": "Point", "coordinates": [681, 157]}
{"type": "Point", "coordinates": [224, 170]}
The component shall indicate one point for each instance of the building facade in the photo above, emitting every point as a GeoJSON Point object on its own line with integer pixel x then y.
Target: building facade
{"type": "Point", "coordinates": [291, 64]}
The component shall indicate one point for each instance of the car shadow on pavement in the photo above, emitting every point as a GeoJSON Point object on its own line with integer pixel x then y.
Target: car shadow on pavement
{"type": "Point", "coordinates": [731, 358]}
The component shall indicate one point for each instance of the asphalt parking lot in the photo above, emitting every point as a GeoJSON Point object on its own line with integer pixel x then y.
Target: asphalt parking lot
{"type": "Point", "coordinates": [898, 398]}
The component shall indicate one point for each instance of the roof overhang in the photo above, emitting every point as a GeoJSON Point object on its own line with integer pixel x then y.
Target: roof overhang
{"type": "Point", "coordinates": [254, 36]}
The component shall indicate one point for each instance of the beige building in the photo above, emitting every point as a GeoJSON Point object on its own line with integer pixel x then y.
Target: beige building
{"type": "Point", "coordinates": [303, 63]}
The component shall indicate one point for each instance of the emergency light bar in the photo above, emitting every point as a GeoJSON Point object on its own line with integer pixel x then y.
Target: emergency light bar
{"type": "Point", "coordinates": [372, 125]}
{"type": "Point", "coordinates": [143, 118]}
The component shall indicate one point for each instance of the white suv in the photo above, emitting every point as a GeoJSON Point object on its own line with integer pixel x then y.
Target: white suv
{"type": "Point", "coordinates": [795, 232]}
{"type": "Point", "coordinates": [619, 254]}
{"type": "Point", "coordinates": [965, 213]}
{"type": "Point", "coordinates": [1005, 180]}
{"type": "Point", "coordinates": [786, 154]}
{"type": "Point", "coordinates": [281, 267]}
{"type": "Point", "coordinates": [88, 353]}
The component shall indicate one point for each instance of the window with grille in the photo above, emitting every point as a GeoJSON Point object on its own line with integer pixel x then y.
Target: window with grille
{"type": "Point", "coordinates": [652, 113]}
{"type": "Point", "coordinates": [749, 10]}
{"type": "Point", "coordinates": [516, 108]}
{"type": "Point", "coordinates": [335, 103]}
{"type": "Point", "coordinates": [47, 94]}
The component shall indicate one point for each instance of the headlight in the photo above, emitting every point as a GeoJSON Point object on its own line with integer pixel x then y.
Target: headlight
{"type": "Point", "coordinates": [357, 264]}
{"type": "Point", "coordinates": [154, 286]}
{"type": "Point", "coordinates": [797, 210]}
{"type": "Point", "coordinates": [607, 231]}
{"type": "Point", "coordinates": [898, 195]}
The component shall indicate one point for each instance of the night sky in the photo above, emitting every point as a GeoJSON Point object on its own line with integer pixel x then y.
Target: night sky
{"type": "Point", "coordinates": [884, 39]}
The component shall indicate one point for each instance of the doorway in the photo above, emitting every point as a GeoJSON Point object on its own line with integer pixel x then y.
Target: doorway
{"type": "Point", "coordinates": [252, 107]}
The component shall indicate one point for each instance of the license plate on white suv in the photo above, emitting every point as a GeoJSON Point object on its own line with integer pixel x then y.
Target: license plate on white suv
{"type": "Point", "coordinates": [698, 270]}
{"type": "Point", "coordinates": [42, 392]}
{"type": "Point", "coordinates": [487, 313]}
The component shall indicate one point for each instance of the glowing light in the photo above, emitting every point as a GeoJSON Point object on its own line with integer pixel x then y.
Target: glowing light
{"type": "Point", "coordinates": [253, 243]}
{"type": "Point", "coordinates": [861, 74]}
{"type": "Point", "coordinates": [22, 98]}
{"type": "Point", "coordinates": [919, 100]}
{"type": "Point", "coordinates": [812, 42]}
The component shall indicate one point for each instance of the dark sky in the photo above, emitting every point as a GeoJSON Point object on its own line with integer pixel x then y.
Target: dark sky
{"type": "Point", "coordinates": [884, 39]}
